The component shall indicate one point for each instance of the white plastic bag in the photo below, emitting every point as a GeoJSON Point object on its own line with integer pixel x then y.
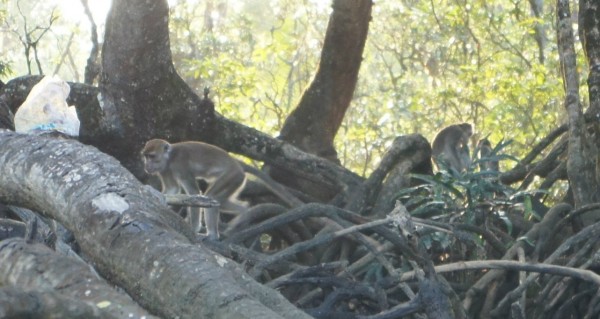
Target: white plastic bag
{"type": "Point", "coordinates": [46, 109]}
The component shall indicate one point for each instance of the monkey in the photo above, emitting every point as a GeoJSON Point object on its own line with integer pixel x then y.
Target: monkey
{"type": "Point", "coordinates": [180, 165]}
{"type": "Point", "coordinates": [451, 146]}
{"type": "Point", "coordinates": [485, 151]}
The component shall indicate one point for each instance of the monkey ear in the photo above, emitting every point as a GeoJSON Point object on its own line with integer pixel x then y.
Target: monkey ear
{"type": "Point", "coordinates": [167, 148]}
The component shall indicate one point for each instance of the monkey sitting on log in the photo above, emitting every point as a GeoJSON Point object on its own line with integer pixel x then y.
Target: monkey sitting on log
{"type": "Point", "coordinates": [451, 147]}
{"type": "Point", "coordinates": [485, 151]}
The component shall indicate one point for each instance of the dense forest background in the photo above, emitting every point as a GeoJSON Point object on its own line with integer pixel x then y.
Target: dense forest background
{"type": "Point", "coordinates": [430, 64]}
{"type": "Point", "coordinates": [332, 106]}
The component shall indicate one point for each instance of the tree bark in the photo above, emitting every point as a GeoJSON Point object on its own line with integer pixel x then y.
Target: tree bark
{"type": "Point", "coordinates": [581, 163]}
{"type": "Point", "coordinates": [129, 235]}
{"type": "Point", "coordinates": [411, 153]}
{"type": "Point", "coordinates": [7, 118]}
{"type": "Point", "coordinates": [17, 303]}
{"type": "Point", "coordinates": [41, 269]}
{"type": "Point", "coordinates": [233, 137]}
{"type": "Point", "coordinates": [312, 126]}
{"type": "Point", "coordinates": [142, 96]}
{"type": "Point", "coordinates": [589, 30]}
{"type": "Point", "coordinates": [259, 146]}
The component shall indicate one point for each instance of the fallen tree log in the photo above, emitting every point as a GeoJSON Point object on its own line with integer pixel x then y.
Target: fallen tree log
{"type": "Point", "coordinates": [132, 238]}
{"type": "Point", "coordinates": [34, 267]}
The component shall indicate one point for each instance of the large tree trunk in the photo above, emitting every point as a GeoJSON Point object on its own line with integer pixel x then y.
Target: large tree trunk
{"type": "Point", "coordinates": [583, 153]}
{"type": "Point", "coordinates": [142, 94]}
{"type": "Point", "coordinates": [41, 269]}
{"type": "Point", "coordinates": [233, 137]}
{"type": "Point", "coordinates": [128, 233]}
{"type": "Point", "coordinates": [312, 126]}
{"type": "Point", "coordinates": [589, 30]}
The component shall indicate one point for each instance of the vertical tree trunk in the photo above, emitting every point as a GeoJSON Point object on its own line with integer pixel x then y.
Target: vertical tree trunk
{"type": "Point", "coordinates": [312, 126]}
{"type": "Point", "coordinates": [581, 163]}
{"type": "Point", "coordinates": [589, 30]}
{"type": "Point", "coordinates": [142, 94]}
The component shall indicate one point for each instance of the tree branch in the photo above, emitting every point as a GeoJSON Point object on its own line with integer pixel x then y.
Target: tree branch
{"type": "Point", "coordinates": [127, 232]}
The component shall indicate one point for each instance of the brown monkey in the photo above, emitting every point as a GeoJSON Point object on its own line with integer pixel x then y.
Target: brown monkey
{"type": "Point", "coordinates": [180, 165]}
{"type": "Point", "coordinates": [451, 146]}
{"type": "Point", "coordinates": [485, 151]}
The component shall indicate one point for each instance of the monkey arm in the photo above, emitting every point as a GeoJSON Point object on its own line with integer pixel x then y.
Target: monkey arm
{"type": "Point", "coordinates": [169, 184]}
{"type": "Point", "coordinates": [190, 186]}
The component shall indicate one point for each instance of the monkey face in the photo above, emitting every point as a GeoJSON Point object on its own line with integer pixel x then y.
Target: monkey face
{"type": "Point", "coordinates": [156, 156]}
{"type": "Point", "coordinates": [154, 163]}
{"type": "Point", "coordinates": [467, 128]}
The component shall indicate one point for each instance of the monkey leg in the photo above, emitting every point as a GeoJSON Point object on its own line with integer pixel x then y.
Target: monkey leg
{"type": "Point", "coordinates": [211, 218]}
{"type": "Point", "coordinates": [226, 189]}
{"type": "Point", "coordinates": [194, 217]}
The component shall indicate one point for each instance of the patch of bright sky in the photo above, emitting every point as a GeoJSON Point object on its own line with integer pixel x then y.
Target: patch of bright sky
{"type": "Point", "coordinates": [73, 9]}
{"type": "Point", "coordinates": [71, 17]}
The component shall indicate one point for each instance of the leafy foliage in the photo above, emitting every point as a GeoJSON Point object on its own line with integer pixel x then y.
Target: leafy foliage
{"type": "Point", "coordinates": [258, 58]}
{"type": "Point", "coordinates": [426, 65]}
{"type": "Point", "coordinates": [473, 197]}
{"type": "Point", "coordinates": [5, 68]}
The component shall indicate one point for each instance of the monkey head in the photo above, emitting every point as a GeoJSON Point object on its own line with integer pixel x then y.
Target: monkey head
{"type": "Point", "coordinates": [156, 156]}
{"type": "Point", "coordinates": [467, 128]}
{"type": "Point", "coordinates": [484, 142]}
